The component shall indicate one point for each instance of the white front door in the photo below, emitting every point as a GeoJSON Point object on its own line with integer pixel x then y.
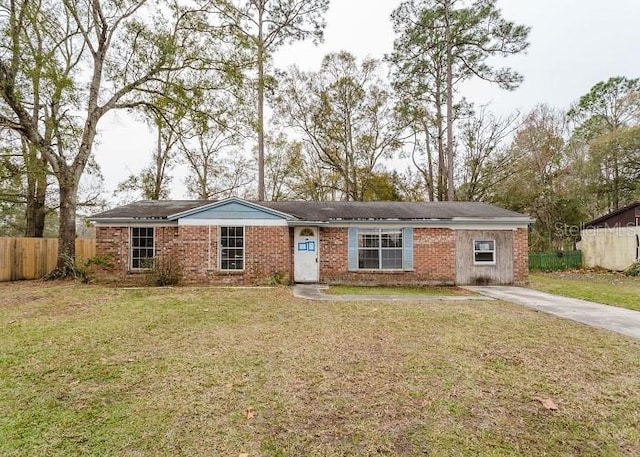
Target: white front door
{"type": "Point", "coordinates": [305, 259]}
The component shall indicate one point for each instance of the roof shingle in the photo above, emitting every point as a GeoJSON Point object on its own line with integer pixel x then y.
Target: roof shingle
{"type": "Point", "coordinates": [322, 211]}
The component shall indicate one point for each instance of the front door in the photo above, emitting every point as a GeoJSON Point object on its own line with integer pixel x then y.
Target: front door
{"type": "Point", "coordinates": [305, 259]}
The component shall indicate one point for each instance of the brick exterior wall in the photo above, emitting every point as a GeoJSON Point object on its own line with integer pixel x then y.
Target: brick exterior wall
{"type": "Point", "coordinates": [433, 259]}
{"type": "Point", "coordinates": [113, 241]}
{"type": "Point", "coordinates": [520, 256]}
{"type": "Point", "coordinates": [434, 254]}
{"type": "Point", "coordinates": [333, 253]}
{"type": "Point", "coordinates": [269, 251]}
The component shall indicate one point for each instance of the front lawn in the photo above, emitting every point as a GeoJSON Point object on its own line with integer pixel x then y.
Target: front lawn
{"type": "Point", "coordinates": [601, 287]}
{"type": "Point", "coordinates": [90, 370]}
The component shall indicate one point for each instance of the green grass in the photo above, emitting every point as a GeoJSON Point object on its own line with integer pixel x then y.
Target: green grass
{"type": "Point", "coordinates": [90, 370]}
{"type": "Point", "coordinates": [394, 290]}
{"type": "Point", "coordinates": [600, 287]}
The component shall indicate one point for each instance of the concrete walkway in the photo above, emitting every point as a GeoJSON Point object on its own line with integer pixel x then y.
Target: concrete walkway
{"type": "Point", "coordinates": [612, 318]}
{"type": "Point", "coordinates": [317, 292]}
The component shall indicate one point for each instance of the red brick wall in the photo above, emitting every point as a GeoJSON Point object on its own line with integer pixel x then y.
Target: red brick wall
{"type": "Point", "coordinates": [333, 253]}
{"type": "Point", "coordinates": [197, 248]}
{"type": "Point", "coordinates": [433, 259]}
{"type": "Point", "coordinates": [114, 241]}
{"type": "Point", "coordinates": [434, 253]}
{"type": "Point", "coordinates": [520, 256]}
{"type": "Point", "coordinates": [269, 250]}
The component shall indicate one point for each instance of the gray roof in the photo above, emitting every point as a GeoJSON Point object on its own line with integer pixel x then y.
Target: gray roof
{"type": "Point", "coordinates": [326, 211]}
{"type": "Point", "coordinates": [322, 211]}
{"type": "Point", "coordinates": [150, 209]}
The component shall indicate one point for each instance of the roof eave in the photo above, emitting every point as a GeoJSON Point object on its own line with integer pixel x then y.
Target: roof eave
{"type": "Point", "coordinates": [123, 220]}
{"type": "Point", "coordinates": [511, 221]}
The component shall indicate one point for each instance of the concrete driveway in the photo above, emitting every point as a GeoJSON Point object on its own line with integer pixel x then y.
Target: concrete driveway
{"type": "Point", "coordinates": [619, 320]}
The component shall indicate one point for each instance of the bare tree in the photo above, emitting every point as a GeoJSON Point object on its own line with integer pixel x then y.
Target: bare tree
{"type": "Point", "coordinates": [345, 114]}
{"type": "Point", "coordinates": [266, 25]}
{"type": "Point", "coordinates": [96, 57]}
{"type": "Point", "coordinates": [483, 137]}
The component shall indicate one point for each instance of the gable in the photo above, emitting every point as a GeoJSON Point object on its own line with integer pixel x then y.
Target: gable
{"type": "Point", "coordinates": [233, 211]}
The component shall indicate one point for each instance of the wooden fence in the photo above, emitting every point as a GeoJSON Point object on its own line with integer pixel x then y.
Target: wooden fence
{"type": "Point", "coordinates": [555, 261]}
{"type": "Point", "coordinates": [32, 258]}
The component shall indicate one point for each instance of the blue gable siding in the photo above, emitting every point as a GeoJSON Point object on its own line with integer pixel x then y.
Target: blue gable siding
{"type": "Point", "coordinates": [233, 210]}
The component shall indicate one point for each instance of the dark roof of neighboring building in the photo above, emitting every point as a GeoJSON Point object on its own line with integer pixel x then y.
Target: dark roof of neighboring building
{"type": "Point", "coordinates": [321, 211]}
{"type": "Point", "coordinates": [617, 217]}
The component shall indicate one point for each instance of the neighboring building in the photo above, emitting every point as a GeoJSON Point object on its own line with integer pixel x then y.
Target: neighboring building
{"type": "Point", "coordinates": [613, 240]}
{"type": "Point", "coordinates": [238, 241]}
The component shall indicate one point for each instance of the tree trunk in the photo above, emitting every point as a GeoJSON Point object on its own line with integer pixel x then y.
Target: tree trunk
{"type": "Point", "coordinates": [260, 107]}
{"type": "Point", "coordinates": [67, 228]}
{"type": "Point", "coordinates": [441, 152]}
{"type": "Point", "coordinates": [450, 161]}
{"type": "Point", "coordinates": [36, 205]}
{"type": "Point", "coordinates": [616, 178]}
{"type": "Point", "coordinates": [427, 139]}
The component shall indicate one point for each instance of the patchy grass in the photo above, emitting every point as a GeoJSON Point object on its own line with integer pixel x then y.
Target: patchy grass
{"type": "Point", "coordinates": [88, 370]}
{"type": "Point", "coordinates": [601, 287]}
{"type": "Point", "coordinates": [394, 290]}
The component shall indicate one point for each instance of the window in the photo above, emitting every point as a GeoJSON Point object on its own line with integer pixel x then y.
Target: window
{"type": "Point", "coordinates": [380, 249]}
{"type": "Point", "coordinates": [484, 252]}
{"type": "Point", "coordinates": [232, 248]}
{"type": "Point", "coordinates": [142, 247]}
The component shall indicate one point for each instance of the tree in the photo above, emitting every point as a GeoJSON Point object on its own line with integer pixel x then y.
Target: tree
{"type": "Point", "coordinates": [440, 44]}
{"type": "Point", "coordinates": [153, 182]}
{"type": "Point", "coordinates": [482, 139]}
{"type": "Point", "coordinates": [94, 57]}
{"type": "Point", "coordinates": [345, 114]}
{"type": "Point", "coordinates": [537, 179]}
{"type": "Point", "coordinates": [24, 181]}
{"type": "Point", "coordinates": [266, 25]}
{"type": "Point", "coordinates": [294, 171]}
{"type": "Point", "coordinates": [615, 157]}
{"type": "Point", "coordinates": [603, 119]}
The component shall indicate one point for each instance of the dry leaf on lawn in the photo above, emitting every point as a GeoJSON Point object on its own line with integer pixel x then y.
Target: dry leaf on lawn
{"type": "Point", "coordinates": [250, 413]}
{"type": "Point", "coordinates": [547, 403]}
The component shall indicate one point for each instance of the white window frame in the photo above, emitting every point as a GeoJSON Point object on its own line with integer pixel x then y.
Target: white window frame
{"type": "Point", "coordinates": [380, 249]}
{"type": "Point", "coordinates": [222, 248]}
{"type": "Point", "coordinates": [132, 247]}
{"type": "Point", "coordinates": [493, 251]}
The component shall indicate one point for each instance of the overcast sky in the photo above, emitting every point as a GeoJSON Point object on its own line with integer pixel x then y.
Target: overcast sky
{"type": "Point", "coordinates": [574, 45]}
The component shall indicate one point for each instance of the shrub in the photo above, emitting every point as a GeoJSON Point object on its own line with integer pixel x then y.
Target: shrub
{"type": "Point", "coordinates": [276, 279]}
{"type": "Point", "coordinates": [633, 270]}
{"type": "Point", "coordinates": [82, 269]}
{"type": "Point", "coordinates": [165, 270]}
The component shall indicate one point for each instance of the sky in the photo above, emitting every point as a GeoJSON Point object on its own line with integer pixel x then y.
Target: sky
{"type": "Point", "coordinates": [574, 44]}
